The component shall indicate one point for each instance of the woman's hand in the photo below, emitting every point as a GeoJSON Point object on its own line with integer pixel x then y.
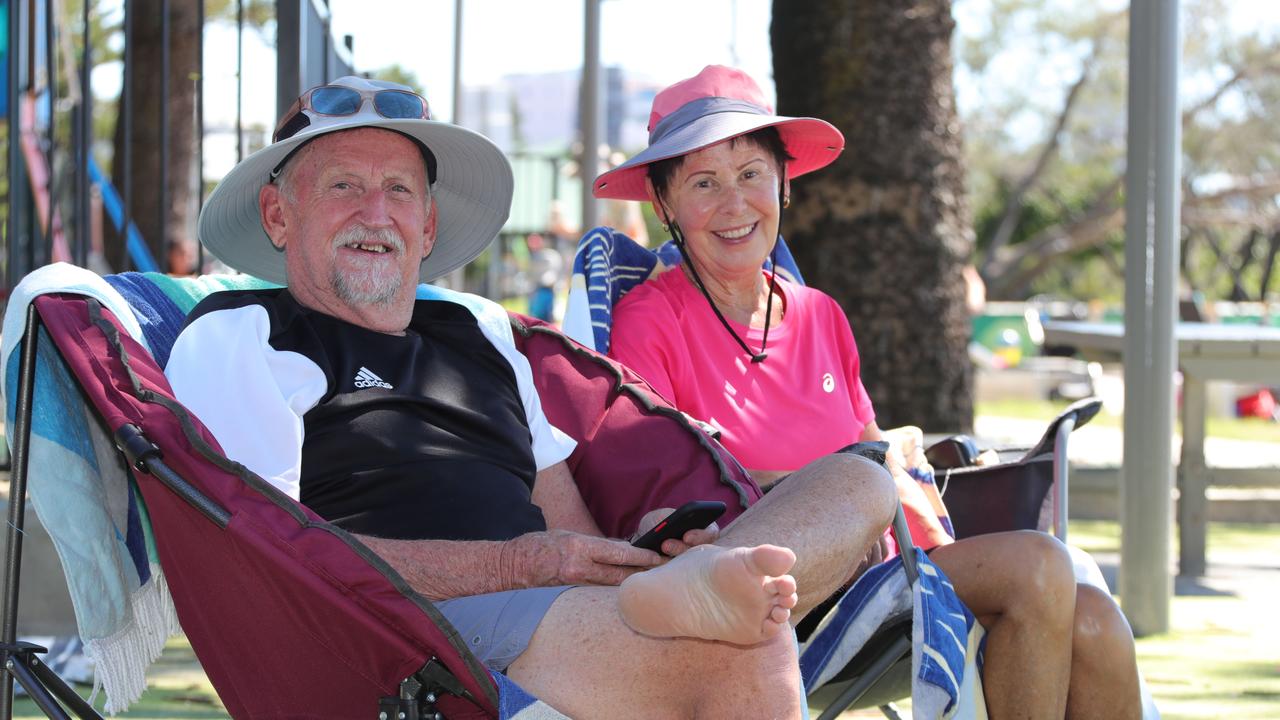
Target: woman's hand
{"type": "Point", "coordinates": [906, 447]}
{"type": "Point", "coordinates": [674, 547]}
{"type": "Point", "coordinates": [876, 555]}
{"type": "Point", "coordinates": [766, 479]}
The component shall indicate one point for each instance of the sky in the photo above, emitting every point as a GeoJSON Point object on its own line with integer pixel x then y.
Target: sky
{"type": "Point", "coordinates": [531, 37]}
{"type": "Point", "coordinates": [663, 40]}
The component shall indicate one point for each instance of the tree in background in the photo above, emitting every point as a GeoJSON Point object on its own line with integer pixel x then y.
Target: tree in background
{"type": "Point", "coordinates": [183, 186]}
{"type": "Point", "coordinates": [1046, 146]}
{"type": "Point", "coordinates": [397, 73]}
{"type": "Point", "coordinates": [885, 230]}
{"type": "Point", "coordinates": [147, 82]}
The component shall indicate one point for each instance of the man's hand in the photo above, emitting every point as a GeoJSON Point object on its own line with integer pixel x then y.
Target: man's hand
{"type": "Point", "coordinates": [673, 547]}
{"type": "Point", "coordinates": [561, 557]}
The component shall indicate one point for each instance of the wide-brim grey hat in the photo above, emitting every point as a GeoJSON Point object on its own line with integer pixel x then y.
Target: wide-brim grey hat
{"type": "Point", "coordinates": [472, 191]}
{"type": "Point", "coordinates": [715, 105]}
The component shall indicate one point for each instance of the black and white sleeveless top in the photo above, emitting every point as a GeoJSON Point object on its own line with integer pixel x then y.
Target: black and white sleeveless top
{"type": "Point", "coordinates": [433, 434]}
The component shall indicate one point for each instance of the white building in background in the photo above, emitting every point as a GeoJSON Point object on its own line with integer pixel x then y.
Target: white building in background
{"type": "Point", "coordinates": [539, 112]}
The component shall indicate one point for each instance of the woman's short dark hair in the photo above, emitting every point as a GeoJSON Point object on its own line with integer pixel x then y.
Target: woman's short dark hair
{"type": "Point", "coordinates": [768, 139]}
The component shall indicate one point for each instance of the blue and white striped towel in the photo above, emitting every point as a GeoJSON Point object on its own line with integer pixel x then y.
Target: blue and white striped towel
{"type": "Point", "coordinates": [608, 264]}
{"type": "Point", "coordinates": [946, 639]}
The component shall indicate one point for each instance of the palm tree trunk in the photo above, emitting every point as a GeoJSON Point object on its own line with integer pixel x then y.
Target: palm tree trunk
{"type": "Point", "coordinates": [146, 134]}
{"type": "Point", "coordinates": [886, 229]}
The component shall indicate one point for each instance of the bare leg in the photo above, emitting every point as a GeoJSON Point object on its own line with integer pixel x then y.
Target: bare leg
{"type": "Point", "coordinates": [1021, 588]}
{"type": "Point", "coordinates": [738, 595]}
{"type": "Point", "coordinates": [1104, 670]}
{"type": "Point", "coordinates": [829, 513]}
{"type": "Point", "coordinates": [585, 662]}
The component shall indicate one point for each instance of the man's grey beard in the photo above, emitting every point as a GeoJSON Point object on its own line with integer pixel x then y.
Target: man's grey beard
{"type": "Point", "coordinates": [368, 287]}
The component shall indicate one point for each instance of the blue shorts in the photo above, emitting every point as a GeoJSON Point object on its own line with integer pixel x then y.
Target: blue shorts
{"type": "Point", "coordinates": [497, 626]}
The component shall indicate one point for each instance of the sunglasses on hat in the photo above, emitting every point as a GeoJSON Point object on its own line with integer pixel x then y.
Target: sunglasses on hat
{"type": "Point", "coordinates": [338, 101]}
{"type": "Point", "coordinates": [343, 101]}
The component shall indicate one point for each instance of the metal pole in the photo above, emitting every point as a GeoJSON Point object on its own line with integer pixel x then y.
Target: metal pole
{"type": "Point", "coordinates": [14, 268]}
{"type": "Point", "coordinates": [165, 51]}
{"type": "Point", "coordinates": [290, 19]}
{"type": "Point", "coordinates": [457, 62]}
{"type": "Point", "coordinates": [1151, 250]}
{"type": "Point", "coordinates": [200, 118]}
{"type": "Point", "coordinates": [589, 161]}
{"type": "Point", "coordinates": [457, 279]}
{"type": "Point", "coordinates": [239, 78]}
{"type": "Point", "coordinates": [44, 253]}
{"type": "Point", "coordinates": [84, 226]}
{"type": "Point", "coordinates": [126, 163]}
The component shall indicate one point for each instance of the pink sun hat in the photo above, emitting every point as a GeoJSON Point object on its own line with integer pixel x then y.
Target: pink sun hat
{"type": "Point", "coordinates": [717, 104]}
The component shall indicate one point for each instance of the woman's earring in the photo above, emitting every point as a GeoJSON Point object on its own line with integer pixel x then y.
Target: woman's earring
{"type": "Point", "coordinates": [786, 201]}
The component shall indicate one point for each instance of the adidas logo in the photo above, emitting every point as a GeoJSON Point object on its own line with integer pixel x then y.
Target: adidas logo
{"type": "Point", "coordinates": [366, 379]}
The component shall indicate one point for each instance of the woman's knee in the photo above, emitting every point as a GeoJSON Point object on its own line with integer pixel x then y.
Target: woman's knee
{"type": "Point", "coordinates": [1101, 629]}
{"type": "Point", "coordinates": [1048, 568]}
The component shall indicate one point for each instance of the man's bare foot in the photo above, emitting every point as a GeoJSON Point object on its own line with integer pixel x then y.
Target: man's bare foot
{"type": "Point", "coordinates": [737, 595]}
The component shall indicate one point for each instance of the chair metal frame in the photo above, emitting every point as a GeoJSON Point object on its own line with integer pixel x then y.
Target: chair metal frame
{"type": "Point", "coordinates": [21, 660]}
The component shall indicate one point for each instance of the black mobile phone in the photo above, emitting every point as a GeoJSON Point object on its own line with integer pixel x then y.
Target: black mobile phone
{"type": "Point", "coordinates": [695, 514]}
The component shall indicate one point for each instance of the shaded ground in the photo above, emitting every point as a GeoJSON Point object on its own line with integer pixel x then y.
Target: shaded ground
{"type": "Point", "coordinates": [1219, 660]}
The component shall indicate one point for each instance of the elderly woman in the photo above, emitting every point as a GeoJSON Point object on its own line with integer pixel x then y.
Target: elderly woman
{"type": "Point", "coordinates": [774, 366]}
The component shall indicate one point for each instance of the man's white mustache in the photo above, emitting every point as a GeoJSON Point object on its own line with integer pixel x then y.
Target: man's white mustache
{"type": "Point", "coordinates": [360, 235]}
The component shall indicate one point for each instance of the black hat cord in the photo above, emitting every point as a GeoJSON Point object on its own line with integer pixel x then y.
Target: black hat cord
{"type": "Point", "coordinates": [756, 357]}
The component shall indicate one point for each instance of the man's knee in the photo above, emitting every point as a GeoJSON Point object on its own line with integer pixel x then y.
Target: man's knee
{"type": "Point", "coordinates": [768, 671]}
{"type": "Point", "coordinates": [869, 483]}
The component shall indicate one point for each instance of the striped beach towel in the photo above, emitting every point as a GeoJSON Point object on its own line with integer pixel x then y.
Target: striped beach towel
{"type": "Point", "coordinates": [946, 648]}
{"type": "Point", "coordinates": [608, 264]}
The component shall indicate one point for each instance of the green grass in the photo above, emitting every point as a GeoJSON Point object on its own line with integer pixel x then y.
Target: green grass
{"type": "Point", "coordinates": [177, 688]}
{"type": "Point", "coordinates": [1246, 543]}
{"type": "Point", "coordinates": [1218, 660]}
{"type": "Point", "coordinates": [1253, 429]}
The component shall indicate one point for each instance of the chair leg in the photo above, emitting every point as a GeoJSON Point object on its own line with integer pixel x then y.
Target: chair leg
{"type": "Point", "coordinates": [18, 660]}
{"type": "Point", "coordinates": [17, 497]}
{"type": "Point", "coordinates": [900, 648]}
{"type": "Point", "coordinates": [891, 712]}
{"type": "Point", "coordinates": [49, 692]}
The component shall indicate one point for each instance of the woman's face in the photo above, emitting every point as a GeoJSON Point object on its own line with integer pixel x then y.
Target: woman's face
{"type": "Point", "coordinates": [725, 200]}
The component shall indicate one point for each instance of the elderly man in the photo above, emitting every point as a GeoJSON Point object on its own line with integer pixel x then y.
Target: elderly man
{"type": "Point", "coordinates": [415, 425]}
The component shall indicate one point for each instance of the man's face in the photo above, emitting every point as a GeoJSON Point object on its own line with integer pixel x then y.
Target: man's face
{"type": "Point", "coordinates": [355, 220]}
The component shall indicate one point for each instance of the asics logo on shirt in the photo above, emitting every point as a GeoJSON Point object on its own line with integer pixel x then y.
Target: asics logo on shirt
{"type": "Point", "coordinates": [366, 379]}
{"type": "Point", "coordinates": [828, 382]}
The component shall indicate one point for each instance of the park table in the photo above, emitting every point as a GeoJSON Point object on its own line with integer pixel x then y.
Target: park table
{"type": "Point", "coordinates": [1206, 352]}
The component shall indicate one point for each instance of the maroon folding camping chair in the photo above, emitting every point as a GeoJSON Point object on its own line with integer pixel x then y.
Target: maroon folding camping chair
{"type": "Point", "coordinates": [289, 615]}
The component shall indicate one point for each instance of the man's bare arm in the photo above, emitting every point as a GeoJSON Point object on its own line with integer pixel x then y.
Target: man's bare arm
{"type": "Point", "coordinates": [557, 495]}
{"type": "Point", "coordinates": [444, 569]}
